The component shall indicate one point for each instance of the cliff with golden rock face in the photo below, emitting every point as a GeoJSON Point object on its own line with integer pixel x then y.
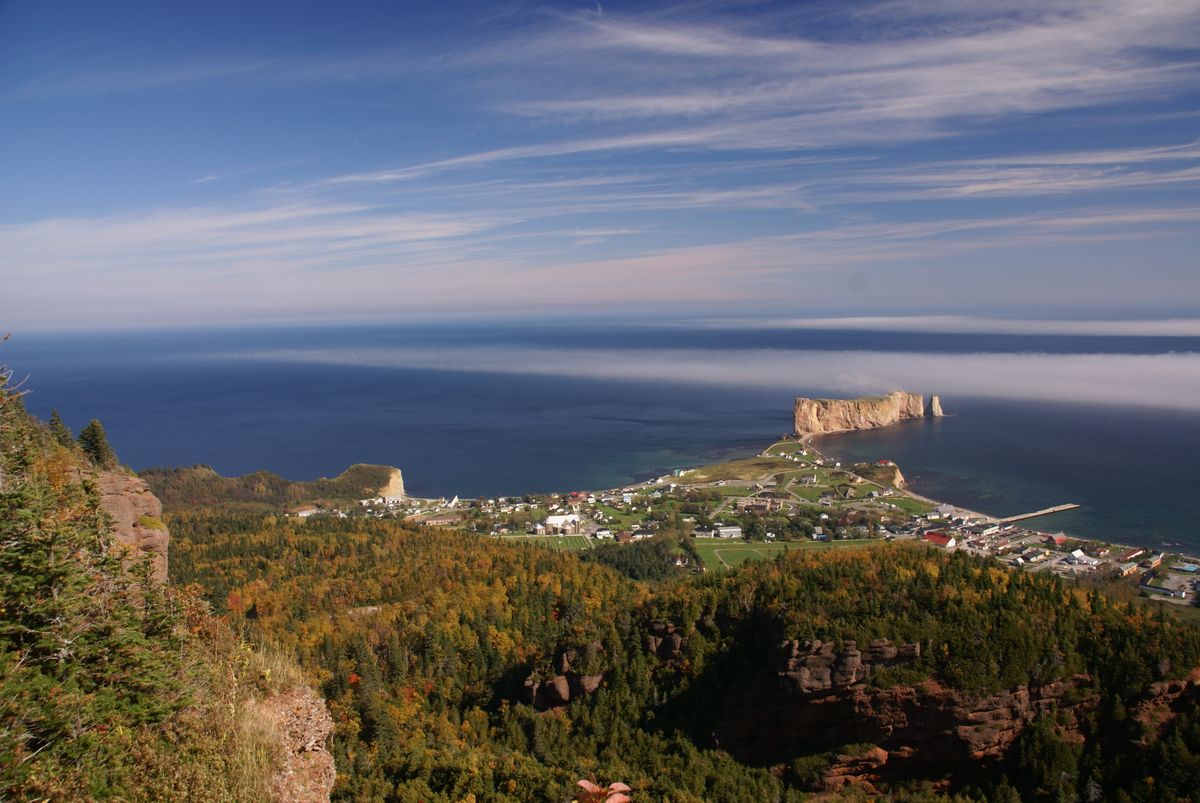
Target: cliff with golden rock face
{"type": "Point", "coordinates": [816, 416]}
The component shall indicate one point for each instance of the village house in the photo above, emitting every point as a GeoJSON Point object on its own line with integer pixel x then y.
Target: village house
{"type": "Point", "coordinates": [940, 539]}
{"type": "Point", "coordinates": [1129, 555]}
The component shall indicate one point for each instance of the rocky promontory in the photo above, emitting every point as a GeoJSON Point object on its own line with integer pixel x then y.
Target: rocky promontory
{"type": "Point", "coordinates": [136, 521]}
{"type": "Point", "coordinates": [818, 416]}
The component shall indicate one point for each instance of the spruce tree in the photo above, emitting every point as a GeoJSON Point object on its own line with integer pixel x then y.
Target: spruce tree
{"type": "Point", "coordinates": [95, 445]}
{"type": "Point", "coordinates": [60, 431]}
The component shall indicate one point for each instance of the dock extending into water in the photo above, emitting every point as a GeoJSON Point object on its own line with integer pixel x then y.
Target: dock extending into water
{"type": "Point", "coordinates": [1043, 512]}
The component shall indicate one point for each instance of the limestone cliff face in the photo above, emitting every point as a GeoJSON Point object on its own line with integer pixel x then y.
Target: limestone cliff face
{"type": "Point", "coordinates": [395, 486]}
{"type": "Point", "coordinates": [136, 518]}
{"type": "Point", "coordinates": [814, 416]}
{"type": "Point", "coordinates": [935, 406]}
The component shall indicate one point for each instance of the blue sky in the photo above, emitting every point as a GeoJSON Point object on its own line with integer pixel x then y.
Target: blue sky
{"type": "Point", "coordinates": [201, 163]}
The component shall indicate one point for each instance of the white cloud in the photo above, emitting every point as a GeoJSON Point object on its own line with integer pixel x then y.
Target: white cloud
{"type": "Point", "coordinates": [961, 324]}
{"type": "Point", "coordinates": [1161, 380]}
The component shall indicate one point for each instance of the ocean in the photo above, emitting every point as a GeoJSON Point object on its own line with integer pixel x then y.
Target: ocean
{"type": "Point", "coordinates": [1111, 423]}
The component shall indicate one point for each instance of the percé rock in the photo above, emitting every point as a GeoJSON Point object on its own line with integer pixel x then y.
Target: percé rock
{"type": "Point", "coordinates": [136, 521]}
{"type": "Point", "coordinates": [815, 416]}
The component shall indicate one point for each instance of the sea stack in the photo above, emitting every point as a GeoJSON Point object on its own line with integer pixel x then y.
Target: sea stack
{"type": "Point", "coordinates": [935, 406]}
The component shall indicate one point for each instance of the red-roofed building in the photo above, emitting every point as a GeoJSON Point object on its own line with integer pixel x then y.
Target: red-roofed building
{"type": "Point", "coordinates": [940, 539]}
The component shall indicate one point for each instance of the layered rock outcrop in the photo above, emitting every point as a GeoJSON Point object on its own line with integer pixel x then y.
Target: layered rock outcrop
{"type": "Point", "coordinates": [913, 730]}
{"type": "Point", "coordinates": [136, 521]}
{"type": "Point", "coordinates": [815, 666]}
{"type": "Point", "coordinates": [816, 416]}
{"type": "Point", "coordinates": [567, 685]}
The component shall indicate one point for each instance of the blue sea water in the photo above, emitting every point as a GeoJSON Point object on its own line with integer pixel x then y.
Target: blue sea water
{"type": "Point", "coordinates": [235, 400]}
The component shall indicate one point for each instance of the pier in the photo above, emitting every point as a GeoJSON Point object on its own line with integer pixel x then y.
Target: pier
{"type": "Point", "coordinates": [1043, 512]}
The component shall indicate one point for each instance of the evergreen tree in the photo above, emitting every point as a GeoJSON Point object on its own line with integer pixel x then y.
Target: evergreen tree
{"type": "Point", "coordinates": [60, 431]}
{"type": "Point", "coordinates": [95, 445]}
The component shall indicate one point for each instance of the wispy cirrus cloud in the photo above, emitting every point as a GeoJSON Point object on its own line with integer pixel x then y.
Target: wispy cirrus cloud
{"type": "Point", "coordinates": [825, 154]}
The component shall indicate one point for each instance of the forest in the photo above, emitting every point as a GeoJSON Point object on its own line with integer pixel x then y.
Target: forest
{"type": "Point", "coordinates": [439, 651]}
{"type": "Point", "coordinates": [200, 486]}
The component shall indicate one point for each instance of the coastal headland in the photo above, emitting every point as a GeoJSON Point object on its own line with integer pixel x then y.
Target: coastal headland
{"type": "Point", "coordinates": [825, 416]}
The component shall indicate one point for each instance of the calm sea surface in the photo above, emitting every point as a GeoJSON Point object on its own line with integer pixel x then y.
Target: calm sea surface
{"type": "Point", "coordinates": [240, 400]}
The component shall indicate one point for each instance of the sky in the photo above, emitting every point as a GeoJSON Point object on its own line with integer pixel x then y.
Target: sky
{"type": "Point", "coordinates": [232, 163]}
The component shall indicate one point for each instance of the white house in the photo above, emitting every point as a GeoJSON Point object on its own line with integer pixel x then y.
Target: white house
{"type": "Point", "coordinates": [727, 531]}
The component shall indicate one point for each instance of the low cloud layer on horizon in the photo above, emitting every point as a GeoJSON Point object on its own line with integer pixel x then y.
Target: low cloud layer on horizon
{"type": "Point", "coordinates": [1159, 380]}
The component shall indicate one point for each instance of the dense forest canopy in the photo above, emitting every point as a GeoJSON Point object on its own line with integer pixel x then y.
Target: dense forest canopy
{"type": "Point", "coordinates": [427, 643]}
{"type": "Point", "coordinates": [201, 486]}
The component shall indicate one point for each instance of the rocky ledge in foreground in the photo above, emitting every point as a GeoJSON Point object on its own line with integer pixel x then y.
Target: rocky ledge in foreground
{"type": "Point", "coordinates": [136, 517]}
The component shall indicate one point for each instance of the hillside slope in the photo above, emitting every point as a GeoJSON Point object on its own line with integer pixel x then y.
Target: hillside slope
{"type": "Point", "coordinates": [459, 665]}
{"type": "Point", "coordinates": [113, 685]}
{"type": "Point", "coordinates": [200, 487]}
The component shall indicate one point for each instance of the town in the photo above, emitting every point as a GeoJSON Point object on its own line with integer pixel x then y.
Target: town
{"type": "Point", "coordinates": [789, 496]}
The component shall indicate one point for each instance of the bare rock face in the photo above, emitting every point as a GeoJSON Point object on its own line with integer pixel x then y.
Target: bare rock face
{"type": "Point", "coordinates": [810, 667]}
{"type": "Point", "coordinates": [926, 725]}
{"type": "Point", "coordinates": [569, 684]}
{"type": "Point", "coordinates": [935, 407]}
{"type": "Point", "coordinates": [814, 416]}
{"type": "Point", "coordinates": [304, 726]}
{"type": "Point", "coordinates": [136, 518]}
{"type": "Point", "coordinates": [395, 486]}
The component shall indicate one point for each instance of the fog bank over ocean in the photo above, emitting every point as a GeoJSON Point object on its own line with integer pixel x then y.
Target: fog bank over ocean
{"type": "Point", "coordinates": [1156, 380]}
{"type": "Point", "coordinates": [1109, 422]}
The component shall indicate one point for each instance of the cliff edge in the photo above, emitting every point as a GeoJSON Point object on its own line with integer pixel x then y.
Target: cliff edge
{"type": "Point", "coordinates": [817, 416]}
{"type": "Point", "coordinates": [136, 517]}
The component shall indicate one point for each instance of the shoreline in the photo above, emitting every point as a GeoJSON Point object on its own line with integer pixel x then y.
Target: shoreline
{"type": "Point", "coordinates": [810, 438]}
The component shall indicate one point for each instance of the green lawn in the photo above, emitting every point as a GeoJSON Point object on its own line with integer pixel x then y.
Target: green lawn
{"type": "Point", "coordinates": [913, 507]}
{"type": "Point", "coordinates": [719, 553]}
{"type": "Point", "coordinates": [621, 520]}
{"type": "Point", "coordinates": [733, 490]}
{"type": "Point", "coordinates": [786, 447]}
{"type": "Point", "coordinates": [567, 543]}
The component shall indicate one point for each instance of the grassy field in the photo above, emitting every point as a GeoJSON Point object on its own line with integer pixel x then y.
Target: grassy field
{"type": "Point", "coordinates": [914, 507]}
{"type": "Point", "coordinates": [785, 447]}
{"type": "Point", "coordinates": [725, 552]}
{"type": "Point", "coordinates": [620, 519]}
{"type": "Point", "coordinates": [750, 469]}
{"type": "Point", "coordinates": [568, 543]}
